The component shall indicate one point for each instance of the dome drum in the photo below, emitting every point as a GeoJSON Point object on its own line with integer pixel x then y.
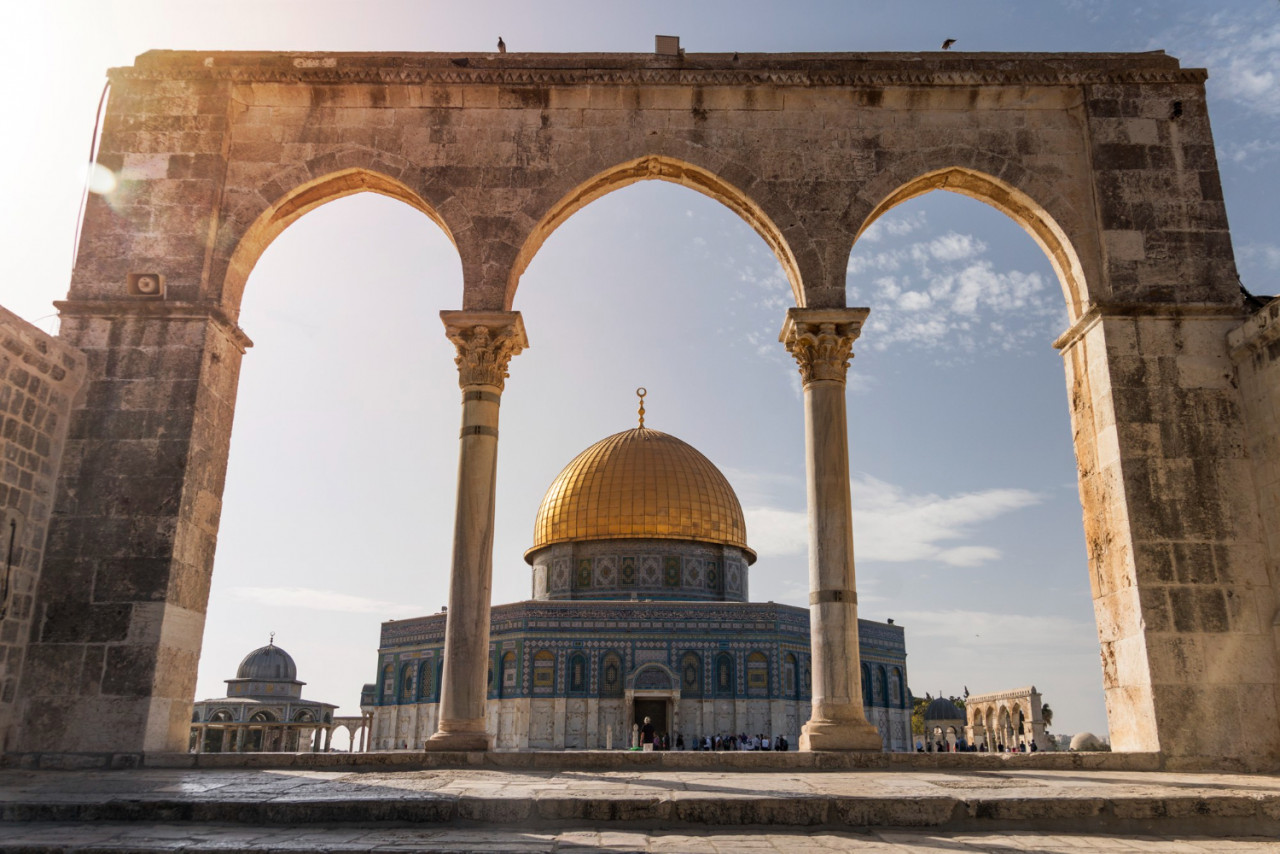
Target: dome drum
{"type": "Point", "coordinates": [641, 569]}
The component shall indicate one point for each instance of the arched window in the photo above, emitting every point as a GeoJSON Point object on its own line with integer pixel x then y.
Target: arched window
{"type": "Point", "coordinates": [611, 675]}
{"type": "Point", "coordinates": [424, 681]}
{"type": "Point", "coordinates": [758, 674]}
{"type": "Point", "coordinates": [691, 675]}
{"type": "Point", "coordinates": [388, 684]}
{"type": "Point", "coordinates": [879, 686]}
{"type": "Point", "coordinates": [726, 678]}
{"type": "Point", "coordinates": [408, 682]}
{"type": "Point", "coordinates": [577, 673]}
{"type": "Point", "coordinates": [303, 716]}
{"type": "Point", "coordinates": [866, 686]}
{"type": "Point", "coordinates": [895, 688]}
{"type": "Point", "coordinates": [509, 675]}
{"type": "Point", "coordinates": [435, 688]}
{"type": "Point", "coordinates": [790, 682]}
{"type": "Point", "coordinates": [544, 672]}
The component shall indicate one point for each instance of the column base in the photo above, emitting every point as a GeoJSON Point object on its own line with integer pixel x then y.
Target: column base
{"type": "Point", "coordinates": [461, 738]}
{"type": "Point", "coordinates": [840, 735]}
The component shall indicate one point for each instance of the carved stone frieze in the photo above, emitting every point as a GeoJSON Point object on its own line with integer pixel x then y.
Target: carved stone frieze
{"type": "Point", "coordinates": [821, 340]}
{"type": "Point", "coordinates": [486, 341]}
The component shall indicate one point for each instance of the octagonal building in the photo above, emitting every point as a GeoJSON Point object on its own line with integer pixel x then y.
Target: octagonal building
{"type": "Point", "coordinates": [640, 609]}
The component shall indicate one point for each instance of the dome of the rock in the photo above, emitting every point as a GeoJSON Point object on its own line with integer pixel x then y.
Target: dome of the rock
{"type": "Point", "coordinates": [640, 484]}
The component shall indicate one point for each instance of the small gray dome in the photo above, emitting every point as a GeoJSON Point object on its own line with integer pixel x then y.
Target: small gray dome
{"type": "Point", "coordinates": [1085, 741]}
{"type": "Point", "coordinates": [942, 709]}
{"type": "Point", "coordinates": [268, 663]}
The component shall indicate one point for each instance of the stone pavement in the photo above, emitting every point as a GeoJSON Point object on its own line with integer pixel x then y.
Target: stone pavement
{"type": "Point", "coordinates": [118, 838]}
{"type": "Point", "coordinates": [535, 810]}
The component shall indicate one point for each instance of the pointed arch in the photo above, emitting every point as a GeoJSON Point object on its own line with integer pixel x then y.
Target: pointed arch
{"type": "Point", "coordinates": [1018, 205]}
{"type": "Point", "coordinates": [663, 168]}
{"type": "Point", "coordinates": [302, 199]}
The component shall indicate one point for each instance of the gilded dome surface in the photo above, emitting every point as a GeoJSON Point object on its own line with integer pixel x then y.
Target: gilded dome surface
{"type": "Point", "coordinates": [640, 484]}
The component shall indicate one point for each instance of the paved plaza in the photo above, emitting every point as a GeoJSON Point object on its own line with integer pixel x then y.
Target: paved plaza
{"type": "Point", "coordinates": [532, 810]}
{"type": "Point", "coordinates": [335, 840]}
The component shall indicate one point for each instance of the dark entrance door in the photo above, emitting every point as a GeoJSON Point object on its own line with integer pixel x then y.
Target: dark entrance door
{"type": "Point", "coordinates": [654, 709]}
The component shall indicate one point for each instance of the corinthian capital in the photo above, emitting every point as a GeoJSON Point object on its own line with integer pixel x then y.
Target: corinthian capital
{"type": "Point", "coordinates": [486, 341]}
{"type": "Point", "coordinates": [821, 340]}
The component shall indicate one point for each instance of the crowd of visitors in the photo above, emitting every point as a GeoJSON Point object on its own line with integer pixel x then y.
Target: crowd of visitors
{"type": "Point", "coordinates": [963, 746]}
{"type": "Point", "coordinates": [742, 741]}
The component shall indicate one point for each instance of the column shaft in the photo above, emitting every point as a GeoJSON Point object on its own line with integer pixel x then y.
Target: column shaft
{"type": "Point", "coordinates": [486, 341]}
{"type": "Point", "coordinates": [821, 340]}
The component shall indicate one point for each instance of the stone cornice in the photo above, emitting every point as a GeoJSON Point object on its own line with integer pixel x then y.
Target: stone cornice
{"type": "Point", "coordinates": [1183, 311]}
{"type": "Point", "coordinates": [1260, 332]}
{"type": "Point", "coordinates": [804, 70]}
{"type": "Point", "coordinates": [169, 309]}
{"type": "Point", "coordinates": [1012, 694]}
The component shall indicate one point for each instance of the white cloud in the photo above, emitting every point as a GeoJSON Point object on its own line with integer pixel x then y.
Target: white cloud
{"type": "Point", "coordinates": [942, 292]}
{"type": "Point", "coordinates": [1240, 49]}
{"type": "Point", "coordinates": [949, 247]}
{"type": "Point", "coordinates": [1268, 254]}
{"type": "Point", "coordinates": [1251, 155]}
{"type": "Point", "coordinates": [986, 630]}
{"type": "Point", "coordinates": [891, 525]}
{"type": "Point", "coordinates": [310, 599]}
{"type": "Point", "coordinates": [894, 225]}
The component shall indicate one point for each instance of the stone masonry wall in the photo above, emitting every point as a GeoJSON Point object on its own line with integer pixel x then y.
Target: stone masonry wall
{"type": "Point", "coordinates": [1255, 347]}
{"type": "Point", "coordinates": [39, 381]}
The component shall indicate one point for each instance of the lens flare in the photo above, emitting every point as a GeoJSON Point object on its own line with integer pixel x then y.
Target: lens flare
{"type": "Point", "coordinates": [101, 180]}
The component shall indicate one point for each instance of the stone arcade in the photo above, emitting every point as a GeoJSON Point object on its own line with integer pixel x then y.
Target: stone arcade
{"type": "Point", "coordinates": [639, 610]}
{"type": "Point", "coordinates": [1105, 159]}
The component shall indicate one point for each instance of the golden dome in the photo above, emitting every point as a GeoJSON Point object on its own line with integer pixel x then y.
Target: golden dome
{"type": "Point", "coordinates": [640, 484]}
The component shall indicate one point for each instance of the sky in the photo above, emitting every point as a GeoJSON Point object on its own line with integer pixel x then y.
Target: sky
{"type": "Point", "coordinates": [338, 509]}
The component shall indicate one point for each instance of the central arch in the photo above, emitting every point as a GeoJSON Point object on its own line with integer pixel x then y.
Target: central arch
{"type": "Point", "coordinates": [660, 168]}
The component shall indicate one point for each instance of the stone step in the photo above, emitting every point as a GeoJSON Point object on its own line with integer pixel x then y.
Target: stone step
{"type": "Point", "coordinates": [117, 838]}
{"type": "Point", "coordinates": [602, 760]}
{"type": "Point", "coordinates": [951, 801]}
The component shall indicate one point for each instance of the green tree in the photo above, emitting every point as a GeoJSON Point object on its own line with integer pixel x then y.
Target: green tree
{"type": "Point", "coordinates": [917, 713]}
{"type": "Point", "coordinates": [1046, 714]}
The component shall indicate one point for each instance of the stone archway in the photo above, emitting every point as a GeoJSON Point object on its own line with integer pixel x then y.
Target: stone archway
{"type": "Point", "coordinates": [1084, 150]}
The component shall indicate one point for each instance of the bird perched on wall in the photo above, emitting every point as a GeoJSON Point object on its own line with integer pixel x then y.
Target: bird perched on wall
{"type": "Point", "coordinates": [502, 46]}
{"type": "Point", "coordinates": [946, 45]}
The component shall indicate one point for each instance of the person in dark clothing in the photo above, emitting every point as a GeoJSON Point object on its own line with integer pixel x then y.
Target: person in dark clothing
{"type": "Point", "coordinates": [646, 732]}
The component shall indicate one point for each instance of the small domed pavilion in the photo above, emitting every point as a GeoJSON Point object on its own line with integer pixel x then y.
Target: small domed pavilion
{"type": "Point", "coordinates": [943, 725]}
{"type": "Point", "coordinates": [263, 711]}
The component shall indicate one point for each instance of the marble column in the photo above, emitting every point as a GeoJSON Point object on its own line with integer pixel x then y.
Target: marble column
{"type": "Point", "coordinates": [821, 340]}
{"type": "Point", "coordinates": [486, 341]}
